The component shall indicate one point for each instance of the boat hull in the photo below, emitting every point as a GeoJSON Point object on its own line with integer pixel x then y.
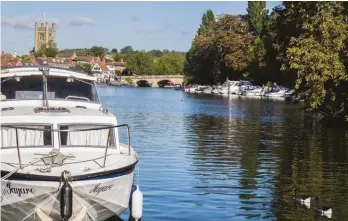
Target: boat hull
{"type": "Point", "coordinates": [98, 198]}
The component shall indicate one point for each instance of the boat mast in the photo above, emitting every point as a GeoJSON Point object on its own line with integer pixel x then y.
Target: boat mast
{"type": "Point", "coordinates": [45, 71]}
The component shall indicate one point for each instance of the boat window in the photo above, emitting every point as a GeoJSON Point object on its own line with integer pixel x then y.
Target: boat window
{"type": "Point", "coordinates": [30, 88]}
{"type": "Point", "coordinates": [89, 138]}
{"type": "Point", "coordinates": [26, 137]}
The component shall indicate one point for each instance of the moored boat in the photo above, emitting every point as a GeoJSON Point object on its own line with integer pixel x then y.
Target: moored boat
{"type": "Point", "coordinates": [62, 154]}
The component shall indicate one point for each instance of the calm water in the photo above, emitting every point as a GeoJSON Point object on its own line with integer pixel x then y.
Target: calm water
{"type": "Point", "coordinates": [209, 158]}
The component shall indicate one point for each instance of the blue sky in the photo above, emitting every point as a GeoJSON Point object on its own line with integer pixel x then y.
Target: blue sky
{"type": "Point", "coordinates": [143, 25]}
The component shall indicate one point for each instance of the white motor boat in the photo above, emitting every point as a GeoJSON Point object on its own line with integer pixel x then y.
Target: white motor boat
{"type": "Point", "coordinates": [253, 91]}
{"type": "Point", "coordinates": [277, 92]}
{"type": "Point", "coordinates": [61, 152]}
{"type": "Point", "coordinates": [237, 87]}
{"type": "Point", "coordinates": [193, 88]}
{"type": "Point", "coordinates": [207, 90]}
{"type": "Point", "coordinates": [226, 86]}
{"type": "Point", "coordinates": [203, 89]}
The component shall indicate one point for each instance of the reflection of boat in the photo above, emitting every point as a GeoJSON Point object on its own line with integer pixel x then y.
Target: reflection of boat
{"type": "Point", "coordinates": [61, 151]}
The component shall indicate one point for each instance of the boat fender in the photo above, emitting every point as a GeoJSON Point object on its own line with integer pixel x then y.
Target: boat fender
{"type": "Point", "coordinates": [137, 204]}
{"type": "Point", "coordinates": [66, 193]}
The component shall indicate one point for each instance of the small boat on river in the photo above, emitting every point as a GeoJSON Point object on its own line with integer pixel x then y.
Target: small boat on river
{"type": "Point", "coordinates": [278, 92]}
{"type": "Point", "coordinates": [61, 151]}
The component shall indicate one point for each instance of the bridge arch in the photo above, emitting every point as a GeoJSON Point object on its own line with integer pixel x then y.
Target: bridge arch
{"type": "Point", "coordinates": [163, 83]}
{"type": "Point", "coordinates": [156, 80]}
{"type": "Point", "coordinates": [143, 83]}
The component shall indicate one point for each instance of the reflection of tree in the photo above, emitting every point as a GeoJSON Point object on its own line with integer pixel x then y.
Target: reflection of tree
{"type": "Point", "coordinates": [260, 152]}
{"type": "Point", "coordinates": [315, 160]}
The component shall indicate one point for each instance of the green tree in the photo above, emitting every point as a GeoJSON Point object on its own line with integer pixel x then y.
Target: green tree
{"type": "Point", "coordinates": [169, 64]}
{"type": "Point", "coordinates": [49, 50]}
{"type": "Point", "coordinates": [127, 50]}
{"type": "Point", "coordinates": [208, 22]}
{"type": "Point", "coordinates": [316, 55]}
{"type": "Point", "coordinates": [25, 57]}
{"type": "Point", "coordinates": [97, 51]}
{"type": "Point", "coordinates": [257, 15]}
{"type": "Point", "coordinates": [140, 63]}
{"type": "Point", "coordinates": [117, 57]}
{"type": "Point", "coordinates": [200, 60]}
{"type": "Point", "coordinates": [84, 67]}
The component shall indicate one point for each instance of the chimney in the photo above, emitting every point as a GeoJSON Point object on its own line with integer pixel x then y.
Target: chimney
{"type": "Point", "coordinates": [36, 24]}
{"type": "Point", "coordinates": [42, 24]}
{"type": "Point", "coordinates": [46, 24]}
{"type": "Point", "coordinates": [2, 53]}
{"type": "Point", "coordinates": [54, 26]}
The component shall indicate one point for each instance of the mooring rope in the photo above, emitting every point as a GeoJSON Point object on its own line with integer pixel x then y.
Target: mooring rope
{"type": "Point", "coordinates": [15, 171]}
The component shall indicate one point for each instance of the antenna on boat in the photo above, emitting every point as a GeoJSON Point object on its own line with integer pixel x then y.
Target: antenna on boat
{"type": "Point", "coordinates": [45, 71]}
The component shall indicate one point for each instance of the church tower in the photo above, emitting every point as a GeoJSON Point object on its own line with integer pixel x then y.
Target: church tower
{"type": "Point", "coordinates": [44, 34]}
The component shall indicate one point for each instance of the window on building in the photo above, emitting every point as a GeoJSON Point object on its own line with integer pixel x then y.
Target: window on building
{"type": "Point", "coordinates": [41, 36]}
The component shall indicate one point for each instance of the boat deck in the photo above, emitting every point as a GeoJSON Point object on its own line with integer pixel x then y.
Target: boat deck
{"type": "Point", "coordinates": [83, 163]}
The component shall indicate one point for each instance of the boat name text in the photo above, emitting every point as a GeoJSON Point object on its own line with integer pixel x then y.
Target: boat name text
{"type": "Point", "coordinates": [19, 191]}
{"type": "Point", "coordinates": [97, 188]}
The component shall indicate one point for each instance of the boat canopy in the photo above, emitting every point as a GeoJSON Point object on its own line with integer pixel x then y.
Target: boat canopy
{"type": "Point", "coordinates": [27, 84]}
{"type": "Point", "coordinates": [29, 71]}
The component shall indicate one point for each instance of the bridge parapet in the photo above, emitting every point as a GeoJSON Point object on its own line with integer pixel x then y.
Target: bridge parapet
{"type": "Point", "coordinates": [154, 80]}
{"type": "Point", "coordinates": [155, 76]}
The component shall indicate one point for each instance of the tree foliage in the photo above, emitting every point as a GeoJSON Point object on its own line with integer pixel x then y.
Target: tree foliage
{"type": "Point", "coordinates": [49, 50]}
{"type": "Point", "coordinates": [219, 50]}
{"type": "Point", "coordinates": [300, 44]}
{"type": "Point", "coordinates": [144, 63]}
{"type": "Point", "coordinates": [97, 51]}
{"type": "Point", "coordinates": [315, 55]}
{"type": "Point", "coordinates": [84, 67]}
{"type": "Point", "coordinates": [126, 50]}
{"type": "Point", "coordinates": [257, 15]}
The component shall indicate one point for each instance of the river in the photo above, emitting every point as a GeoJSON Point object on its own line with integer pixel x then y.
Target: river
{"type": "Point", "coordinates": [206, 158]}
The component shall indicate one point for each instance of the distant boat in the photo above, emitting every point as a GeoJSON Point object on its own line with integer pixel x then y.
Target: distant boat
{"type": "Point", "coordinates": [177, 87]}
{"type": "Point", "coordinates": [278, 92]}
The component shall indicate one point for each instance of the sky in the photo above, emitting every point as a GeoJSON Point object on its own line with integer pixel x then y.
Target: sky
{"type": "Point", "coordinates": [142, 25]}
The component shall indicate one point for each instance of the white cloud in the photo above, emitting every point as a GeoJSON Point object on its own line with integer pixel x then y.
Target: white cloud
{"type": "Point", "coordinates": [26, 22]}
{"type": "Point", "coordinates": [78, 21]}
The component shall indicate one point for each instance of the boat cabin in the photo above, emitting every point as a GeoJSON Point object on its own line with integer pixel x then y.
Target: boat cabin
{"type": "Point", "coordinates": [62, 110]}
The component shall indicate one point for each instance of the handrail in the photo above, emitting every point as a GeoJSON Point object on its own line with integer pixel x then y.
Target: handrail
{"type": "Point", "coordinates": [71, 130]}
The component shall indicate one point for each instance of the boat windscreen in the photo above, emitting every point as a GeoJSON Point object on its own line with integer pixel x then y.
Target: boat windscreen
{"type": "Point", "coordinates": [87, 138]}
{"type": "Point", "coordinates": [30, 88]}
{"type": "Point", "coordinates": [26, 137]}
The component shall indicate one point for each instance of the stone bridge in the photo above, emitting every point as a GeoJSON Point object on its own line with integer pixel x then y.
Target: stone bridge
{"type": "Point", "coordinates": [156, 80]}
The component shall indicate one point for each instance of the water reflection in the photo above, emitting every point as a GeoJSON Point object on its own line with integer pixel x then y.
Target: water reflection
{"type": "Point", "coordinates": [254, 162]}
{"type": "Point", "coordinates": [213, 158]}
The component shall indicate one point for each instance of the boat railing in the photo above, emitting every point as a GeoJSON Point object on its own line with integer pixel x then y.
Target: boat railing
{"type": "Point", "coordinates": [110, 128]}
